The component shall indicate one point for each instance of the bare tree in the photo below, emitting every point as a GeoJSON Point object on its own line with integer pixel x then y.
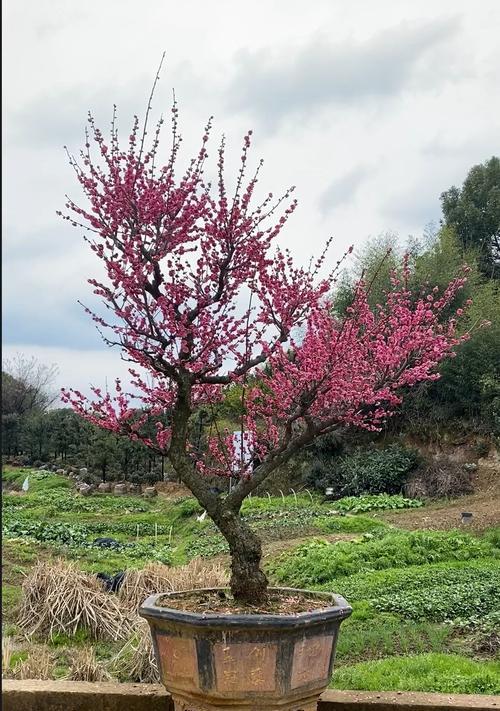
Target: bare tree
{"type": "Point", "coordinates": [27, 385]}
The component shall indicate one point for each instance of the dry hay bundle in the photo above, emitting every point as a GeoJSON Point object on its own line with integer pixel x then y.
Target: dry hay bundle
{"type": "Point", "coordinates": [155, 578]}
{"type": "Point", "coordinates": [136, 659]}
{"type": "Point", "coordinates": [38, 665]}
{"type": "Point", "coordinates": [59, 598]}
{"type": "Point", "coordinates": [85, 667]}
{"type": "Point", "coordinates": [7, 652]}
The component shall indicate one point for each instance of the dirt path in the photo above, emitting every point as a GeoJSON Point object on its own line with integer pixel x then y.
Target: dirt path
{"type": "Point", "coordinates": [445, 515]}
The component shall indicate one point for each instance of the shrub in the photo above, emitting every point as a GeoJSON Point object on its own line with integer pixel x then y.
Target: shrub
{"type": "Point", "coordinates": [439, 479]}
{"type": "Point", "coordinates": [365, 471]}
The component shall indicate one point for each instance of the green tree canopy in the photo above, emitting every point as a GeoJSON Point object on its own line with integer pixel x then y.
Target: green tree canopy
{"type": "Point", "coordinates": [474, 213]}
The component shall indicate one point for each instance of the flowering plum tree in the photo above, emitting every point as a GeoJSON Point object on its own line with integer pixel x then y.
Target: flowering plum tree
{"type": "Point", "coordinates": [178, 255]}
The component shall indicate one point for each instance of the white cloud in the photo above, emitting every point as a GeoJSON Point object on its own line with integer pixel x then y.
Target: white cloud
{"type": "Point", "coordinates": [380, 107]}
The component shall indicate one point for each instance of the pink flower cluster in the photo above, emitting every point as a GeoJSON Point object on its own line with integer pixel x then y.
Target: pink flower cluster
{"type": "Point", "coordinates": [179, 256]}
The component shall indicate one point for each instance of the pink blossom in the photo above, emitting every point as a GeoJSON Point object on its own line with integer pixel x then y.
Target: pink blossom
{"type": "Point", "coordinates": [178, 254]}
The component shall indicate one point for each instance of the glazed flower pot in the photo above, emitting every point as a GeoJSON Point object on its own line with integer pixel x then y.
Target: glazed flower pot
{"type": "Point", "coordinates": [214, 661]}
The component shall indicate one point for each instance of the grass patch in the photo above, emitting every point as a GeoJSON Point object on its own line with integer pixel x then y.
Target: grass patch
{"type": "Point", "coordinates": [445, 673]}
{"type": "Point", "coordinates": [319, 562]}
{"type": "Point", "coordinates": [442, 601]}
{"type": "Point", "coordinates": [370, 635]}
{"type": "Point", "coordinates": [375, 502]}
{"type": "Point", "coordinates": [258, 504]}
{"type": "Point", "coordinates": [38, 480]}
{"type": "Point", "coordinates": [348, 524]}
{"type": "Point", "coordinates": [11, 597]}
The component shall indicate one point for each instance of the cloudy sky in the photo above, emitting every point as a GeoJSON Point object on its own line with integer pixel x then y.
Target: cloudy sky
{"type": "Point", "coordinates": [371, 109]}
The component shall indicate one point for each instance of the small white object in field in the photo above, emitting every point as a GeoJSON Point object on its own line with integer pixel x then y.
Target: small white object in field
{"type": "Point", "coordinates": [202, 517]}
{"type": "Point", "coordinates": [26, 484]}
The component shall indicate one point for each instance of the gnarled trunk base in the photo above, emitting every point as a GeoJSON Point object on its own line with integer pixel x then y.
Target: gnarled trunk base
{"type": "Point", "coordinates": [248, 582]}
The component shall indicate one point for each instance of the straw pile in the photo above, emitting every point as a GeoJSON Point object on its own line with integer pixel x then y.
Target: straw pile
{"type": "Point", "coordinates": [7, 651]}
{"type": "Point", "coordinates": [154, 578]}
{"type": "Point", "coordinates": [85, 667]}
{"type": "Point", "coordinates": [38, 665]}
{"type": "Point", "coordinates": [136, 659]}
{"type": "Point", "coordinates": [59, 598]}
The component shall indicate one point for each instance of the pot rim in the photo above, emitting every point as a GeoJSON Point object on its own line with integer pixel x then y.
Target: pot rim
{"type": "Point", "coordinates": [339, 610]}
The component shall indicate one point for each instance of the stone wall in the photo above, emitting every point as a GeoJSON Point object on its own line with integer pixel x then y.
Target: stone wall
{"type": "Point", "coordinates": [32, 695]}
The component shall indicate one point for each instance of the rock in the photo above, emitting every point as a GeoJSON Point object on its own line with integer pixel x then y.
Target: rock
{"type": "Point", "coordinates": [120, 489]}
{"type": "Point", "coordinates": [134, 488]}
{"type": "Point", "coordinates": [44, 467]}
{"type": "Point", "coordinates": [86, 489]}
{"type": "Point", "coordinates": [61, 471]}
{"type": "Point", "coordinates": [150, 492]}
{"type": "Point", "coordinates": [104, 487]}
{"type": "Point", "coordinates": [83, 471]}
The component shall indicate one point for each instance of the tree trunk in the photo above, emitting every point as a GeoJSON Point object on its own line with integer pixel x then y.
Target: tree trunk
{"type": "Point", "coordinates": [248, 582]}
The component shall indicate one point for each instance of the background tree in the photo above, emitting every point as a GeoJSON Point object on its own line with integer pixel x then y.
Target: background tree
{"type": "Point", "coordinates": [27, 385]}
{"type": "Point", "coordinates": [474, 213]}
{"type": "Point", "coordinates": [103, 451]}
{"type": "Point", "coordinates": [467, 392]}
{"type": "Point", "coordinates": [27, 392]}
{"type": "Point", "coordinates": [36, 435]}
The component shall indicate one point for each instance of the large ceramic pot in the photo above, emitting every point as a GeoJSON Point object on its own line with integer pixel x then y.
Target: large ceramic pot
{"type": "Point", "coordinates": [212, 661]}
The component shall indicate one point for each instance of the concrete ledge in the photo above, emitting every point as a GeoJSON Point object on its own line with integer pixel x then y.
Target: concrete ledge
{"type": "Point", "coordinates": [33, 695]}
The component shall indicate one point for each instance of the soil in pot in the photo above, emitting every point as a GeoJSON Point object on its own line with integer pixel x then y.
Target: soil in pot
{"type": "Point", "coordinates": [221, 601]}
